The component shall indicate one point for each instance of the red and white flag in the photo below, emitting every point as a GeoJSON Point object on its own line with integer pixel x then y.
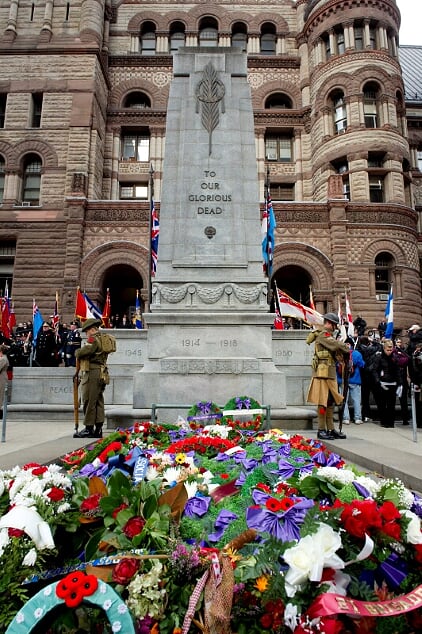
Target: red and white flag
{"type": "Point", "coordinates": [350, 328]}
{"type": "Point", "coordinates": [289, 307]}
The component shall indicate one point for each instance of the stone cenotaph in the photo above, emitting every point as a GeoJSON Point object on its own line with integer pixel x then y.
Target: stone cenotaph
{"type": "Point", "coordinates": [209, 326]}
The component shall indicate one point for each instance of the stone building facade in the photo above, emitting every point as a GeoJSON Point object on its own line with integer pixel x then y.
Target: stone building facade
{"type": "Point", "coordinates": [84, 91]}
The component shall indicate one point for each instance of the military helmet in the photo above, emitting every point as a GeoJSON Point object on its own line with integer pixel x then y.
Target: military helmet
{"type": "Point", "coordinates": [91, 323]}
{"type": "Point", "coordinates": [331, 317]}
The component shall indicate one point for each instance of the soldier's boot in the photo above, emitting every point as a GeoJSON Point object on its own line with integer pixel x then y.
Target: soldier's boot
{"type": "Point", "coordinates": [88, 432]}
{"type": "Point", "coordinates": [322, 432]}
{"type": "Point", "coordinates": [336, 435]}
{"type": "Point", "coordinates": [98, 433]}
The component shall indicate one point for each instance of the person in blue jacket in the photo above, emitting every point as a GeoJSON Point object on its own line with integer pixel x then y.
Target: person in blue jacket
{"type": "Point", "coordinates": [355, 384]}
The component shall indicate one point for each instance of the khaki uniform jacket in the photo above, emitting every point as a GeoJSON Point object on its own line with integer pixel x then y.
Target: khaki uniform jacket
{"type": "Point", "coordinates": [324, 378]}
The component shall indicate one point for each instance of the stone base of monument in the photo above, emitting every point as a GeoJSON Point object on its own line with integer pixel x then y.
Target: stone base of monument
{"type": "Point", "coordinates": [288, 418]}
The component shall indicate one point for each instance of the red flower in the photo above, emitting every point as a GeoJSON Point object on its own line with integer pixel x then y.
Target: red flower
{"type": "Point", "coordinates": [117, 510]}
{"type": "Point", "coordinates": [266, 621]}
{"type": "Point", "coordinates": [134, 527]}
{"type": "Point", "coordinates": [75, 586]}
{"type": "Point", "coordinates": [360, 517]}
{"type": "Point", "coordinates": [91, 503]}
{"type": "Point", "coordinates": [392, 529]}
{"type": "Point", "coordinates": [263, 487]}
{"type": "Point", "coordinates": [286, 504]}
{"type": "Point", "coordinates": [273, 505]}
{"type": "Point", "coordinates": [15, 532]}
{"type": "Point", "coordinates": [56, 494]}
{"type": "Point", "coordinates": [125, 570]}
{"type": "Point", "coordinates": [389, 511]}
{"type": "Point", "coordinates": [39, 471]}
{"type": "Point", "coordinates": [418, 556]}
{"type": "Point", "coordinates": [113, 447]}
{"type": "Point", "coordinates": [224, 476]}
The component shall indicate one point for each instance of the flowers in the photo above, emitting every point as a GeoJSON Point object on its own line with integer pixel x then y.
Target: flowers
{"type": "Point", "coordinates": [162, 511]}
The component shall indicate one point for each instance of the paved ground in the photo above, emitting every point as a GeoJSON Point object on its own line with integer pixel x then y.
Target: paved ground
{"type": "Point", "coordinates": [388, 452]}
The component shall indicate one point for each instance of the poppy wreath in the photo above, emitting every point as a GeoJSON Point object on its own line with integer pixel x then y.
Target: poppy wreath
{"type": "Point", "coordinates": [204, 413]}
{"type": "Point", "coordinates": [242, 403]}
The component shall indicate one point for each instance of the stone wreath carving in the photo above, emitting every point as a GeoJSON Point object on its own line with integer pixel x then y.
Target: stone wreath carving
{"type": "Point", "coordinates": [209, 92]}
{"type": "Point", "coordinates": [209, 295]}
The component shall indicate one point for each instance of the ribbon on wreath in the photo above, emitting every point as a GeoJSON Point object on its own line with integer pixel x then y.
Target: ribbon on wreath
{"type": "Point", "coordinates": [243, 403]}
{"type": "Point", "coordinates": [330, 604]}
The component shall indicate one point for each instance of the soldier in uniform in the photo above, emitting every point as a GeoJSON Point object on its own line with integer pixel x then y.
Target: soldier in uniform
{"type": "Point", "coordinates": [46, 353]}
{"type": "Point", "coordinates": [72, 342]}
{"type": "Point", "coordinates": [323, 390]}
{"type": "Point", "coordinates": [92, 364]}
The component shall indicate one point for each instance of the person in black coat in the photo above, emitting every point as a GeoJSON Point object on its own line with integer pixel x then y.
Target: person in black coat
{"type": "Point", "coordinates": [46, 354]}
{"type": "Point", "coordinates": [387, 381]}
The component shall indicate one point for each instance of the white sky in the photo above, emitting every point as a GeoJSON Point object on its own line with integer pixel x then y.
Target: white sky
{"type": "Point", "coordinates": [411, 17]}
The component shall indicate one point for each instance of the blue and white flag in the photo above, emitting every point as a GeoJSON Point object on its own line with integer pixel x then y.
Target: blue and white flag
{"type": "Point", "coordinates": [37, 322]}
{"type": "Point", "coordinates": [268, 236]}
{"type": "Point", "coordinates": [389, 316]}
{"type": "Point", "coordinates": [91, 309]}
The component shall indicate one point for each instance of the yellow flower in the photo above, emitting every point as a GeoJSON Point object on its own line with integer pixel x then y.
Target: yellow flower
{"type": "Point", "coordinates": [261, 583]}
{"type": "Point", "coordinates": [180, 458]}
{"type": "Point", "coordinates": [233, 555]}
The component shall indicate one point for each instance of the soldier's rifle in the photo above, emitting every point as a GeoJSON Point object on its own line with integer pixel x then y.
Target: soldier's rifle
{"type": "Point", "coordinates": [76, 382]}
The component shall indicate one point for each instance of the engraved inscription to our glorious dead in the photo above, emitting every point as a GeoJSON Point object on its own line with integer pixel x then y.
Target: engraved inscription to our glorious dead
{"type": "Point", "coordinates": [211, 195]}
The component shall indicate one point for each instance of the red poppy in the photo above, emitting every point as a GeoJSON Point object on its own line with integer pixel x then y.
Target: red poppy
{"type": "Point", "coordinates": [224, 476]}
{"type": "Point", "coordinates": [39, 471]}
{"type": "Point", "coordinates": [286, 504]}
{"type": "Point", "coordinates": [273, 505]}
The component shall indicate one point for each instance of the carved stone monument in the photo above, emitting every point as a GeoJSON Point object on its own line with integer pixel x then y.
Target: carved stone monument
{"type": "Point", "coordinates": [209, 329]}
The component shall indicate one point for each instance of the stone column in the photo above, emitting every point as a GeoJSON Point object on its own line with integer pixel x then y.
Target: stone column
{"type": "Point", "coordinates": [92, 20]}
{"type": "Point", "coordinates": [366, 34]}
{"type": "Point", "coordinates": [349, 39]}
{"type": "Point", "coordinates": [253, 44]}
{"type": "Point", "coordinates": [115, 165]}
{"type": "Point", "coordinates": [162, 43]}
{"type": "Point", "coordinates": [191, 38]}
{"type": "Point", "coordinates": [47, 30]}
{"type": "Point", "coordinates": [11, 192]}
{"type": "Point", "coordinates": [333, 43]}
{"type": "Point", "coordinates": [339, 246]}
{"type": "Point", "coordinates": [298, 162]}
{"type": "Point", "coordinates": [10, 32]}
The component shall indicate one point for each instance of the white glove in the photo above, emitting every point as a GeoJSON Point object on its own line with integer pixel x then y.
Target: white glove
{"type": "Point", "coordinates": [384, 386]}
{"type": "Point", "coordinates": [399, 391]}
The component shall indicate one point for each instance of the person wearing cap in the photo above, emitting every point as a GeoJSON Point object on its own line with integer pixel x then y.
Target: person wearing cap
{"type": "Point", "coordinates": [71, 343]}
{"type": "Point", "coordinates": [415, 337]}
{"type": "Point", "coordinates": [323, 389]}
{"type": "Point", "coordinates": [46, 349]}
{"type": "Point", "coordinates": [93, 360]}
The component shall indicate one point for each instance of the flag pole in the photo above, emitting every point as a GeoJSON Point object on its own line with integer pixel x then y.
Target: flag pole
{"type": "Point", "coordinates": [151, 198]}
{"type": "Point", "coordinates": [267, 192]}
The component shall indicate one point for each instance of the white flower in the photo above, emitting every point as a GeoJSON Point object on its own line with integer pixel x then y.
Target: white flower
{"type": "Point", "coordinates": [38, 613]}
{"type": "Point", "coordinates": [20, 617]}
{"type": "Point", "coordinates": [191, 489]}
{"type": "Point", "coordinates": [122, 608]}
{"type": "Point", "coordinates": [290, 616]}
{"type": "Point", "coordinates": [222, 431]}
{"type": "Point", "coordinates": [107, 605]}
{"type": "Point", "coordinates": [310, 556]}
{"type": "Point", "coordinates": [116, 626]}
{"type": "Point", "coordinates": [30, 558]}
{"type": "Point", "coordinates": [413, 533]}
{"type": "Point", "coordinates": [47, 591]}
{"type": "Point", "coordinates": [172, 474]}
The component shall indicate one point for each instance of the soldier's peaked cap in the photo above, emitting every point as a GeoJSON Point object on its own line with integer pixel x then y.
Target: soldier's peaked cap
{"type": "Point", "coordinates": [331, 317]}
{"type": "Point", "coordinates": [91, 323]}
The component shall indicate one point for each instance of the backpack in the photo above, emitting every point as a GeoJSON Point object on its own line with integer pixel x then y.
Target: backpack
{"type": "Point", "coordinates": [108, 342]}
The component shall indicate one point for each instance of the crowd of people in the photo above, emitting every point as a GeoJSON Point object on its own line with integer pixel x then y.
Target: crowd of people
{"type": "Point", "coordinates": [382, 375]}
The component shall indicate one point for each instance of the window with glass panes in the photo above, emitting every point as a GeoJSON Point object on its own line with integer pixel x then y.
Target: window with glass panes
{"type": "Point", "coordinates": [136, 147]}
{"type": "Point", "coordinates": [358, 32]}
{"type": "Point", "coordinates": [384, 263]}
{"type": "Point", "coordinates": [340, 114]}
{"type": "Point", "coordinates": [37, 101]}
{"type": "Point", "coordinates": [376, 189]}
{"type": "Point", "coordinates": [208, 37]}
{"type": "Point", "coordinates": [341, 47]}
{"type": "Point", "coordinates": [279, 148]}
{"type": "Point", "coordinates": [133, 190]}
{"type": "Point", "coordinates": [282, 191]}
{"type": "Point", "coordinates": [370, 108]}
{"type": "Point", "coordinates": [32, 181]}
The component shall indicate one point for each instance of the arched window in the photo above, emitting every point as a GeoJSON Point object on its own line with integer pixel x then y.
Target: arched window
{"type": "Point", "coordinates": [137, 100]}
{"type": "Point", "coordinates": [370, 104]}
{"type": "Point", "coordinates": [384, 263]}
{"type": "Point", "coordinates": [177, 36]}
{"type": "Point", "coordinates": [268, 39]}
{"type": "Point", "coordinates": [2, 169]}
{"type": "Point", "coordinates": [208, 32]}
{"type": "Point", "coordinates": [31, 180]}
{"type": "Point", "coordinates": [147, 39]}
{"type": "Point", "coordinates": [339, 111]}
{"type": "Point", "coordinates": [239, 37]}
{"type": "Point", "coordinates": [278, 101]}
